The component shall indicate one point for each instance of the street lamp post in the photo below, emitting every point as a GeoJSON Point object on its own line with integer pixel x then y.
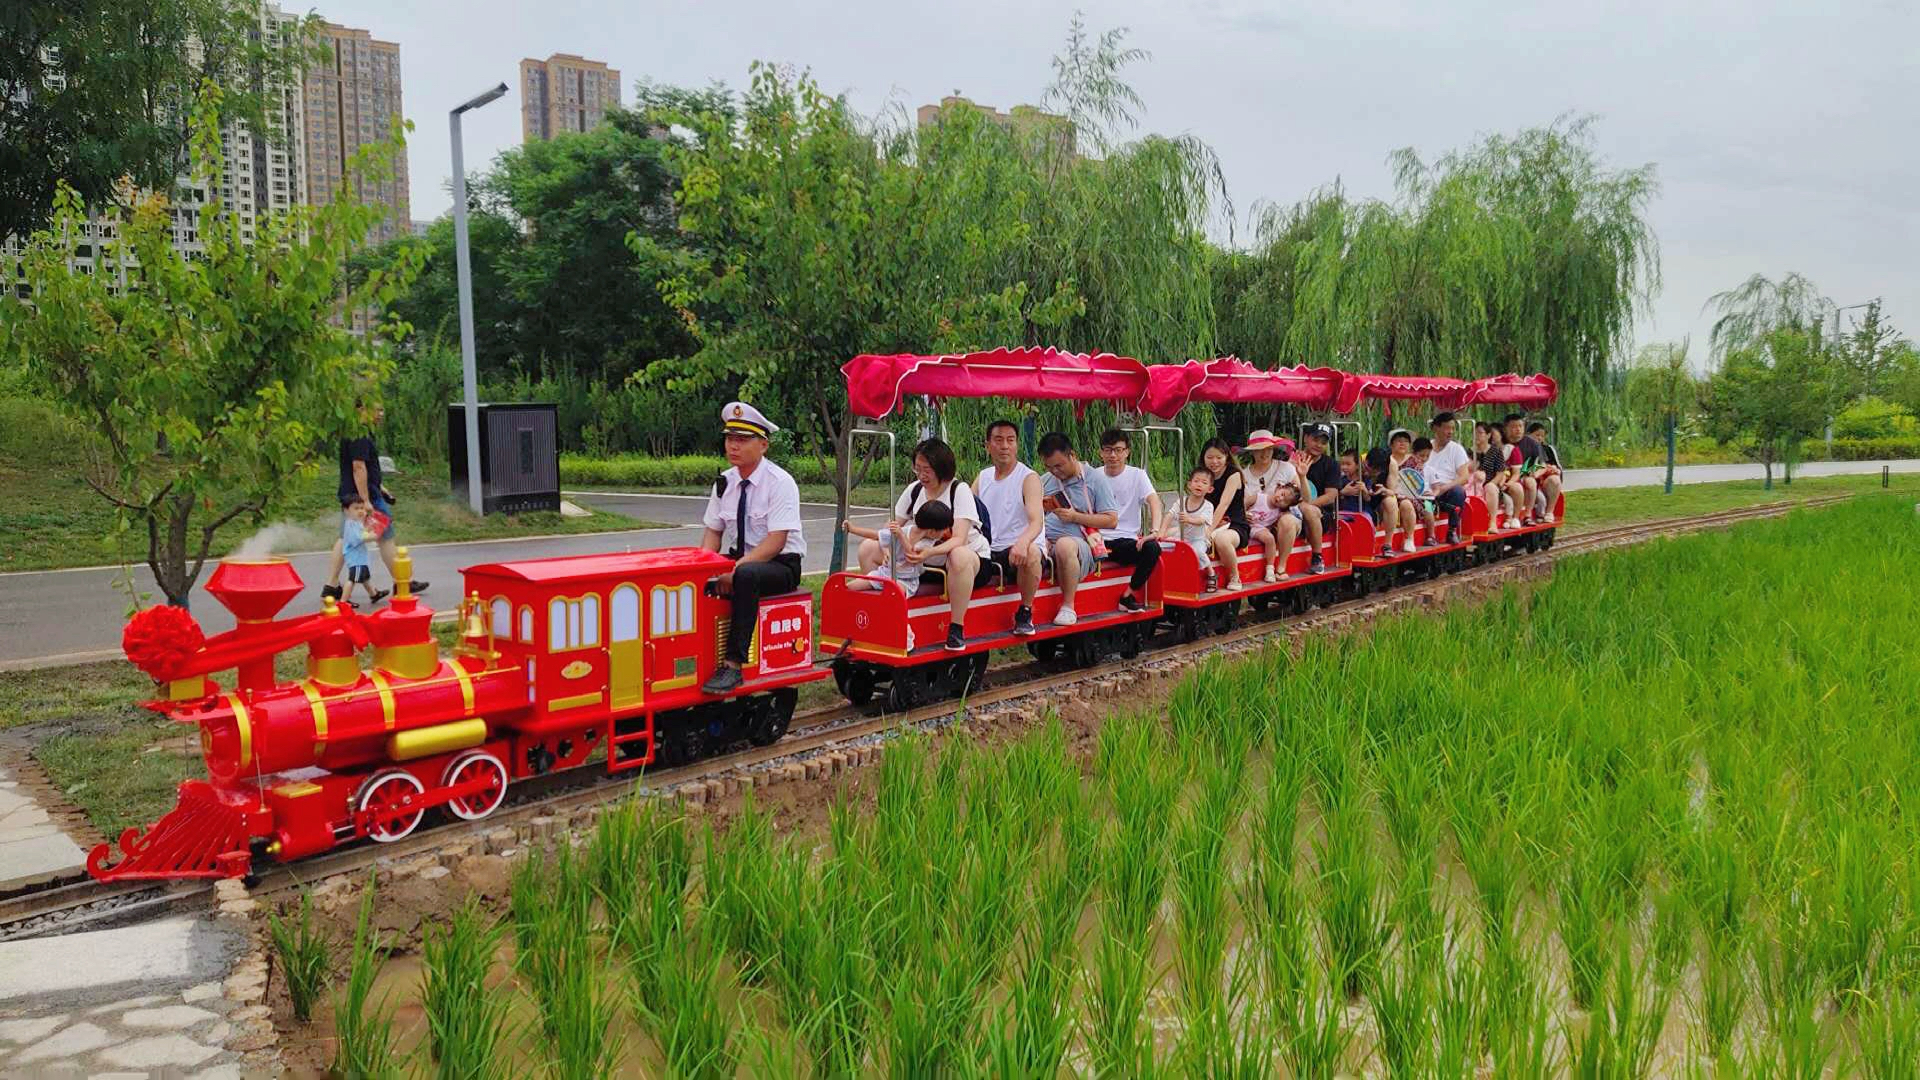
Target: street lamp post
{"type": "Point", "coordinates": [463, 271]}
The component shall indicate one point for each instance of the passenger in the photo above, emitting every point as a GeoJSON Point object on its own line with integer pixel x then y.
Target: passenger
{"type": "Point", "coordinates": [1413, 479]}
{"type": "Point", "coordinates": [1355, 497]}
{"type": "Point", "coordinates": [1192, 522]}
{"type": "Point", "coordinates": [1323, 489]}
{"type": "Point", "coordinates": [1272, 489]}
{"type": "Point", "coordinates": [1378, 474]}
{"type": "Point", "coordinates": [907, 552]}
{"type": "Point", "coordinates": [961, 556]}
{"type": "Point", "coordinates": [1492, 480]}
{"type": "Point", "coordinates": [1413, 508]}
{"type": "Point", "coordinates": [1523, 463]}
{"type": "Point", "coordinates": [1132, 492]}
{"type": "Point", "coordinates": [1542, 476]}
{"type": "Point", "coordinates": [1078, 506]}
{"type": "Point", "coordinates": [1011, 494]}
{"type": "Point", "coordinates": [1446, 471]}
{"type": "Point", "coordinates": [1231, 530]}
{"type": "Point", "coordinates": [753, 518]}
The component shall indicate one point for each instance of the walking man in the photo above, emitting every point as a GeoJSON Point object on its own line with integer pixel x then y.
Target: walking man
{"type": "Point", "coordinates": [753, 518]}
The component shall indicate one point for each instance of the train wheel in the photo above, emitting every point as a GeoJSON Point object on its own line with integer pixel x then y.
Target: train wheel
{"type": "Point", "coordinates": [1186, 626]}
{"type": "Point", "coordinates": [1044, 651]}
{"type": "Point", "coordinates": [393, 798]}
{"type": "Point", "coordinates": [481, 766]}
{"type": "Point", "coordinates": [855, 681]}
{"type": "Point", "coordinates": [772, 717]}
{"type": "Point", "coordinates": [907, 691]}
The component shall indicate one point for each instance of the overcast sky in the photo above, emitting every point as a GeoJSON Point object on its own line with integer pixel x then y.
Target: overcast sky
{"type": "Point", "coordinates": [1785, 135]}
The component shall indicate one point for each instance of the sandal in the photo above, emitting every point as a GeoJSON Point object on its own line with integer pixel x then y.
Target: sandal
{"type": "Point", "coordinates": [378, 595]}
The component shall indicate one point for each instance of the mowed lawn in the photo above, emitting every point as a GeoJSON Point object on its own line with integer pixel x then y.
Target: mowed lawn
{"type": "Point", "coordinates": [51, 518]}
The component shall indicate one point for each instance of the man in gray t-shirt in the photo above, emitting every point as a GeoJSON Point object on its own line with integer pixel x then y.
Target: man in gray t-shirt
{"type": "Point", "coordinates": [1076, 499]}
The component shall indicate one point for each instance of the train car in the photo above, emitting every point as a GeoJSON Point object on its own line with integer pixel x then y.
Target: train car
{"type": "Point", "coordinates": [560, 662]}
{"type": "Point", "coordinates": [883, 637]}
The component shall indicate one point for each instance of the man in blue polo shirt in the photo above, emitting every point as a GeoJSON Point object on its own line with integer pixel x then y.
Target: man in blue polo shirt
{"type": "Point", "coordinates": [1075, 499]}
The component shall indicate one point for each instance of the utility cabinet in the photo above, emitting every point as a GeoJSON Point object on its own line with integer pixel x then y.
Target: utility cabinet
{"type": "Point", "coordinates": [519, 456]}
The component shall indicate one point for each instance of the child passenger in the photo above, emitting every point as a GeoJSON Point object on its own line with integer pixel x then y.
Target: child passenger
{"type": "Point", "coordinates": [1191, 522]}
{"type": "Point", "coordinates": [904, 551]}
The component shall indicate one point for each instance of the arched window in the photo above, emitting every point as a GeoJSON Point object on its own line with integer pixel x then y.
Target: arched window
{"type": "Point", "coordinates": [526, 625]}
{"type": "Point", "coordinates": [623, 614]}
{"type": "Point", "coordinates": [573, 622]}
{"type": "Point", "coordinates": [502, 618]}
{"type": "Point", "coordinates": [557, 624]}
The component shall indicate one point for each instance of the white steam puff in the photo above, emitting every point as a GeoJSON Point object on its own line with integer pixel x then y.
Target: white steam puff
{"type": "Point", "coordinates": [279, 536]}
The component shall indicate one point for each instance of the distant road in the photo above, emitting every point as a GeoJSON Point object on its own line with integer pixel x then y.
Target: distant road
{"type": "Point", "coordinates": [1709, 474]}
{"type": "Point", "coordinates": [54, 617]}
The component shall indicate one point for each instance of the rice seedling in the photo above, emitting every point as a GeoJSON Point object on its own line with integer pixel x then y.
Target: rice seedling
{"type": "Point", "coordinates": [1624, 1029]}
{"type": "Point", "coordinates": [1315, 1033]}
{"type": "Point", "coordinates": [362, 1027]}
{"type": "Point", "coordinates": [551, 908]}
{"type": "Point", "coordinates": [466, 1022]}
{"type": "Point", "coordinates": [1890, 1037]}
{"type": "Point", "coordinates": [1202, 912]}
{"type": "Point", "coordinates": [1402, 999]}
{"type": "Point", "coordinates": [681, 1006]}
{"type": "Point", "coordinates": [1458, 1013]}
{"type": "Point", "coordinates": [1586, 907]}
{"type": "Point", "coordinates": [306, 956]}
{"type": "Point", "coordinates": [1351, 913]}
{"type": "Point", "coordinates": [1724, 993]}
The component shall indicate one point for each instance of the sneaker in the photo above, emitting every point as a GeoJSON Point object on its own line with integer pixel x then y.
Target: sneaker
{"type": "Point", "coordinates": [331, 592]}
{"type": "Point", "coordinates": [1065, 617]}
{"type": "Point", "coordinates": [1234, 584]}
{"type": "Point", "coordinates": [956, 638]}
{"type": "Point", "coordinates": [1272, 575]}
{"type": "Point", "coordinates": [1130, 602]}
{"type": "Point", "coordinates": [1407, 545]}
{"type": "Point", "coordinates": [1317, 566]}
{"type": "Point", "coordinates": [1023, 621]}
{"type": "Point", "coordinates": [725, 678]}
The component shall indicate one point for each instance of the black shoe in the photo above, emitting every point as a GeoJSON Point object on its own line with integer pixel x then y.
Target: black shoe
{"type": "Point", "coordinates": [378, 595]}
{"type": "Point", "coordinates": [417, 587]}
{"type": "Point", "coordinates": [1317, 566]}
{"type": "Point", "coordinates": [1130, 602]}
{"type": "Point", "coordinates": [956, 638]}
{"type": "Point", "coordinates": [331, 592]}
{"type": "Point", "coordinates": [725, 678]}
{"type": "Point", "coordinates": [1023, 622]}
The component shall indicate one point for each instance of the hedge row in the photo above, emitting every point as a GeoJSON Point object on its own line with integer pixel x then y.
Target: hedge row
{"type": "Point", "coordinates": [1887, 449]}
{"type": "Point", "coordinates": [683, 470]}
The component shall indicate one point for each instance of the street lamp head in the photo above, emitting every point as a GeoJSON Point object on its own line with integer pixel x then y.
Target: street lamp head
{"type": "Point", "coordinates": [482, 98]}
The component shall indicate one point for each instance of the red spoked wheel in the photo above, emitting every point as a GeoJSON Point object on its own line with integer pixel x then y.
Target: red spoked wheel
{"type": "Point", "coordinates": [476, 767]}
{"type": "Point", "coordinates": [391, 801]}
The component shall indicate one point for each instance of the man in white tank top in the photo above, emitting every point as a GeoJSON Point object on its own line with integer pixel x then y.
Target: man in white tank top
{"type": "Point", "coordinates": [1011, 493]}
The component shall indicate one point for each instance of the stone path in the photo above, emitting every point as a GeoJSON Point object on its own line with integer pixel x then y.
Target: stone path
{"type": "Point", "coordinates": [33, 848]}
{"type": "Point", "coordinates": [146, 1000]}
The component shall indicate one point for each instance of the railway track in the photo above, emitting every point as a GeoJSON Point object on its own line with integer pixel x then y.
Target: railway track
{"type": "Point", "coordinates": [84, 904]}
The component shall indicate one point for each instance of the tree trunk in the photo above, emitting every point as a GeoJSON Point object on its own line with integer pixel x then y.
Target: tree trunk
{"type": "Point", "coordinates": [1670, 427]}
{"type": "Point", "coordinates": [167, 553]}
{"type": "Point", "coordinates": [1766, 462]}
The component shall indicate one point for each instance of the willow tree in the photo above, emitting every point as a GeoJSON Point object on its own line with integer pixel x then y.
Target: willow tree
{"type": "Point", "coordinates": [1751, 311]}
{"type": "Point", "coordinates": [1521, 253]}
{"type": "Point", "coordinates": [824, 235]}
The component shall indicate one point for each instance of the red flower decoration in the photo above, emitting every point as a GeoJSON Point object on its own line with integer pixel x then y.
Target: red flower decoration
{"type": "Point", "coordinates": [160, 640]}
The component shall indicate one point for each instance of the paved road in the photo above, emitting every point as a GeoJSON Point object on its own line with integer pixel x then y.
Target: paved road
{"type": "Point", "coordinates": [73, 616]}
{"type": "Point", "coordinates": [1708, 474]}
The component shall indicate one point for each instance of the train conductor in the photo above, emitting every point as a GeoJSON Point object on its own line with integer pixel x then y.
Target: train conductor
{"type": "Point", "coordinates": [753, 518]}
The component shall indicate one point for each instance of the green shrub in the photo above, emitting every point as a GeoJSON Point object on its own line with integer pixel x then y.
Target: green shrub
{"type": "Point", "coordinates": [1875, 418]}
{"type": "Point", "coordinates": [695, 470]}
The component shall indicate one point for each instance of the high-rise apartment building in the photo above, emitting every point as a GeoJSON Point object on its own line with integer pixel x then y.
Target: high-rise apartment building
{"type": "Point", "coordinates": [564, 93]}
{"type": "Point", "coordinates": [352, 98]}
{"type": "Point", "coordinates": [1051, 128]}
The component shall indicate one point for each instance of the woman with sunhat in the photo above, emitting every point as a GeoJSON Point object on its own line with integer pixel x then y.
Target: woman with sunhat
{"type": "Point", "coordinates": [1272, 485]}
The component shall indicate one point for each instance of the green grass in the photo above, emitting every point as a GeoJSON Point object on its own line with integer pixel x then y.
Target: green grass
{"type": "Point", "coordinates": [52, 519]}
{"type": "Point", "coordinates": [1603, 507]}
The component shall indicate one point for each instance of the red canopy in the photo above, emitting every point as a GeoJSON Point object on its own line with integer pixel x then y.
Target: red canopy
{"type": "Point", "coordinates": [876, 385]}
{"type": "Point", "coordinates": [1528, 391]}
{"type": "Point", "coordinates": [1170, 387]}
{"type": "Point", "coordinates": [1355, 389]}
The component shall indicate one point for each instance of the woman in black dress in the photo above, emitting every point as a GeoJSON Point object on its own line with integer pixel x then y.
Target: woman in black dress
{"type": "Point", "coordinates": [1231, 530]}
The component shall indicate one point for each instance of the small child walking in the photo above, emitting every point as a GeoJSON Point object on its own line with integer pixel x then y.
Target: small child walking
{"type": "Point", "coordinates": [354, 535]}
{"type": "Point", "coordinates": [932, 524]}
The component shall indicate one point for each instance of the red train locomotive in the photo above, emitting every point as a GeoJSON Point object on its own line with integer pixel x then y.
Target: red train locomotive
{"type": "Point", "coordinates": [570, 662]}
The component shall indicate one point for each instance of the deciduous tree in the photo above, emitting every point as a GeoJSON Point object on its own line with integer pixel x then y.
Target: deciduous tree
{"type": "Point", "coordinates": [1774, 392]}
{"type": "Point", "coordinates": [211, 379]}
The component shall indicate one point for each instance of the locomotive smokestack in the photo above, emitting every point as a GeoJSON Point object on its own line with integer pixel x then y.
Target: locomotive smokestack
{"type": "Point", "coordinates": [254, 590]}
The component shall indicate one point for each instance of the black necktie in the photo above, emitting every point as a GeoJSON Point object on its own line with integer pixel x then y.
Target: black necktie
{"type": "Point", "coordinates": [740, 525]}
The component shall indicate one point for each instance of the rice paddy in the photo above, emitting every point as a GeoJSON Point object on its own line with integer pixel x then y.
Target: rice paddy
{"type": "Point", "coordinates": [1647, 819]}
